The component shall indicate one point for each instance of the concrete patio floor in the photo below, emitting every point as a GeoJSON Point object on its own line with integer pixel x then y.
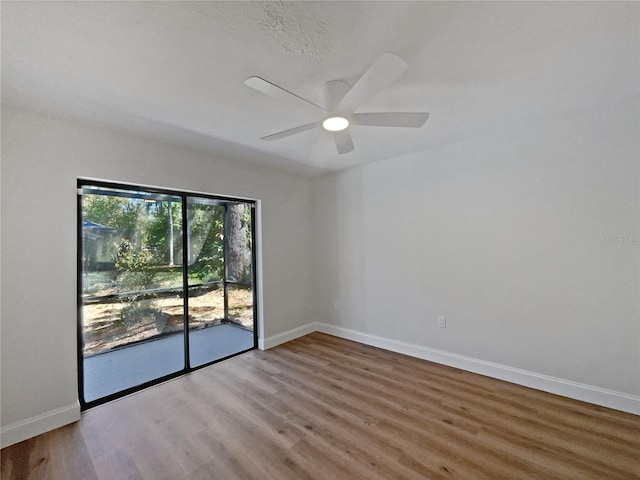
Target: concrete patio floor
{"type": "Point", "coordinates": [127, 367]}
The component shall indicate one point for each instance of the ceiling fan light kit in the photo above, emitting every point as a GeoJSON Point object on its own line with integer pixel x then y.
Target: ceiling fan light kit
{"type": "Point", "coordinates": [338, 96]}
{"type": "Point", "coordinates": [336, 123]}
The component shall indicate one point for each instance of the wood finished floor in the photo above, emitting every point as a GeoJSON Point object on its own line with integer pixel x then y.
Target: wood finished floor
{"type": "Point", "coordinates": [326, 408]}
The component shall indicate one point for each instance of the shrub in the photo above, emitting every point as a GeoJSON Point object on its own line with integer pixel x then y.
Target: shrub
{"type": "Point", "coordinates": [134, 274]}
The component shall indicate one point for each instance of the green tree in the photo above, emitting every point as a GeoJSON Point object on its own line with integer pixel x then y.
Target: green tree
{"type": "Point", "coordinates": [207, 242]}
{"type": "Point", "coordinates": [164, 240]}
{"type": "Point", "coordinates": [115, 212]}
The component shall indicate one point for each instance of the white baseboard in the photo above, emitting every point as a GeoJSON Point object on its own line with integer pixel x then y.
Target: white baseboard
{"type": "Point", "coordinates": [566, 388]}
{"type": "Point", "coordinates": [25, 429]}
{"type": "Point", "coordinates": [287, 336]}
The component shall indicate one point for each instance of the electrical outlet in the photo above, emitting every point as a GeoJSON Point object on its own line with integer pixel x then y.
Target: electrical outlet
{"type": "Point", "coordinates": [442, 321]}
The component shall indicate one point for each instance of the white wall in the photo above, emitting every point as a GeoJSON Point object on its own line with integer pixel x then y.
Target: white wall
{"type": "Point", "coordinates": [41, 160]}
{"type": "Point", "coordinates": [527, 240]}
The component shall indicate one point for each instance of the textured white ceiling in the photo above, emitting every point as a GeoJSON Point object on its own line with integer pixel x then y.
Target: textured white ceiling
{"type": "Point", "coordinates": [175, 70]}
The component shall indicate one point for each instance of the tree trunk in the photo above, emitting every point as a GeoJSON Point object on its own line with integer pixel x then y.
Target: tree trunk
{"type": "Point", "coordinates": [238, 251]}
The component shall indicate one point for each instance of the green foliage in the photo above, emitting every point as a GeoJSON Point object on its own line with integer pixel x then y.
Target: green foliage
{"type": "Point", "coordinates": [134, 274]}
{"type": "Point", "coordinates": [152, 232]}
{"type": "Point", "coordinates": [207, 260]}
{"type": "Point", "coordinates": [207, 269]}
{"type": "Point", "coordinates": [133, 266]}
{"type": "Point", "coordinates": [116, 212]}
{"type": "Point", "coordinates": [148, 223]}
{"type": "Point", "coordinates": [156, 232]}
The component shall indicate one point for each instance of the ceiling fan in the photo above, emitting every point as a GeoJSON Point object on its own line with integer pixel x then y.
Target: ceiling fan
{"type": "Point", "coordinates": [340, 102]}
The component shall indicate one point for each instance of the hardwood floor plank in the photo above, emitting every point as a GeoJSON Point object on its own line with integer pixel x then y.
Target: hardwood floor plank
{"type": "Point", "coordinates": [321, 407]}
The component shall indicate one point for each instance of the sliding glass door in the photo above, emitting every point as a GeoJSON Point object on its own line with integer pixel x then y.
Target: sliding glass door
{"type": "Point", "coordinates": [219, 259]}
{"type": "Point", "coordinates": [140, 250]}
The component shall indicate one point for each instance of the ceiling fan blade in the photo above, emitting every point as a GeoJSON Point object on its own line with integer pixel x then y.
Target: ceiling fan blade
{"type": "Point", "coordinates": [343, 140]}
{"type": "Point", "coordinates": [291, 131]}
{"type": "Point", "coordinates": [273, 90]}
{"type": "Point", "coordinates": [384, 70]}
{"type": "Point", "coordinates": [390, 119]}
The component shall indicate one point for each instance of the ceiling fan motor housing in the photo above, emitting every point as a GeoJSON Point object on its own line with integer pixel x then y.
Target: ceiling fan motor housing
{"type": "Point", "coordinates": [332, 92]}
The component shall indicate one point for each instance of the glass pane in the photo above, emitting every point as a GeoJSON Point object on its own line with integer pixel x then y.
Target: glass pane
{"type": "Point", "coordinates": [132, 309]}
{"type": "Point", "coordinates": [241, 306]}
{"type": "Point", "coordinates": [238, 219]}
{"type": "Point", "coordinates": [206, 241]}
{"type": "Point", "coordinates": [211, 335]}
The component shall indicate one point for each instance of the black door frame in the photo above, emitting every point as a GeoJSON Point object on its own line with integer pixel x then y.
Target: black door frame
{"type": "Point", "coordinates": [81, 183]}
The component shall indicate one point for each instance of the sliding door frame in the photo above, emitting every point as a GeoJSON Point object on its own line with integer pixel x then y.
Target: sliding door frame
{"type": "Point", "coordinates": [184, 195]}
